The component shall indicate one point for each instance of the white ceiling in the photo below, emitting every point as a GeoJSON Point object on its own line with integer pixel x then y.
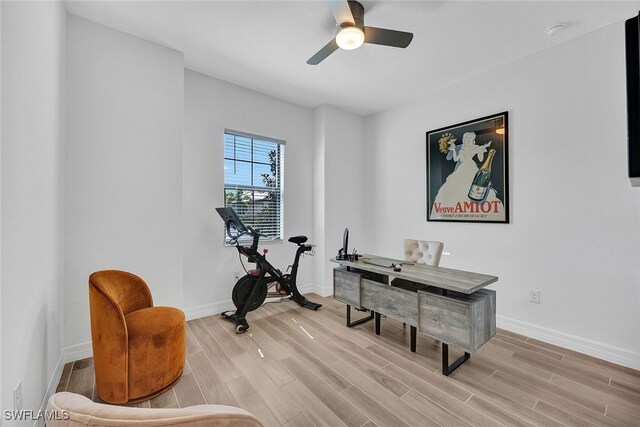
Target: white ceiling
{"type": "Point", "coordinates": [264, 45]}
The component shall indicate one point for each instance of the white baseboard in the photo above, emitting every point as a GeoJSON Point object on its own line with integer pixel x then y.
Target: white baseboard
{"type": "Point", "coordinates": [316, 289]}
{"type": "Point", "coordinates": [324, 291]}
{"type": "Point", "coordinates": [67, 354]}
{"type": "Point", "coordinates": [77, 351]}
{"type": "Point", "coordinates": [606, 352]}
{"type": "Point", "coordinates": [306, 288]}
{"type": "Point", "coordinates": [208, 309]}
{"type": "Point", "coordinates": [51, 388]}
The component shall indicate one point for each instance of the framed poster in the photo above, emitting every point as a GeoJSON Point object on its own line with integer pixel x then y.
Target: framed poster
{"type": "Point", "coordinates": [467, 171]}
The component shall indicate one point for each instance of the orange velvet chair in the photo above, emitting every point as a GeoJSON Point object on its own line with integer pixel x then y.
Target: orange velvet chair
{"type": "Point", "coordinates": [138, 349]}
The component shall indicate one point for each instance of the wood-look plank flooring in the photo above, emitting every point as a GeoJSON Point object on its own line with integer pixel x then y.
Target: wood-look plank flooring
{"type": "Point", "coordinates": [297, 367]}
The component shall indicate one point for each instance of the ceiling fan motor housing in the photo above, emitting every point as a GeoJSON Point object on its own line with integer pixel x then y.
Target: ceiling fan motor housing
{"type": "Point", "coordinates": [357, 10]}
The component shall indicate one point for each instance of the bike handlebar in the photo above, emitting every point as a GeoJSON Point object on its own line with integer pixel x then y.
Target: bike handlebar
{"type": "Point", "coordinates": [255, 232]}
{"type": "Point", "coordinates": [249, 230]}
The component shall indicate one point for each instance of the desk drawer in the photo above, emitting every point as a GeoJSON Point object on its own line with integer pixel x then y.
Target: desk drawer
{"type": "Point", "coordinates": [346, 287]}
{"type": "Point", "coordinates": [397, 303]}
{"type": "Point", "coordinates": [465, 321]}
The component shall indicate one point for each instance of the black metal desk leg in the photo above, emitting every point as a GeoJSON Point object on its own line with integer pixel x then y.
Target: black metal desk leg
{"type": "Point", "coordinates": [414, 334]}
{"type": "Point", "coordinates": [377, 323]}
{"type": "Point", "coordinates": [359, 321]}
{"type": "Point", "coordinates": [446, 368]}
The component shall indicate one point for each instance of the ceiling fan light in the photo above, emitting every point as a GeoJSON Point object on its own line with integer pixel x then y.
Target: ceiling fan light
{"type": "Point", "coordinates": [350, 38]}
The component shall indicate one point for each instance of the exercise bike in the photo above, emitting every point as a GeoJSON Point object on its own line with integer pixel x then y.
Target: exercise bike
{"type": "Point", "coordinates": [251, 290]}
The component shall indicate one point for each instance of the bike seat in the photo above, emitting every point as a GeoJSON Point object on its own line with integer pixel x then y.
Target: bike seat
{"type": "Point", "coordinates": [298, 240]}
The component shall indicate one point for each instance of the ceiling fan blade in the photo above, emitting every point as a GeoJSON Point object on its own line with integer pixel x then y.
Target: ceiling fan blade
{"type": "Point", "coordinates": [387, 37]}
{"type": "Point", "coordinates": [341, 12]}
{"type": "Point", "coordinates": [327, 50]}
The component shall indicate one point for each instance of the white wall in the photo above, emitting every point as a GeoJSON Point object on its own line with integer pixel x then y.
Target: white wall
{"type": "Point", "coordinates": [32, 221]}
{"type": "Point", "coordinates": [124, 165]}
{"type": "Point", "coordinates": [339, 180]}
{"type": "Point", "coordinates": [318, 199]}
{"type": "Point", "coordinates": [212, 105]}
{"type": "Point", "coordinates": [575, 229]}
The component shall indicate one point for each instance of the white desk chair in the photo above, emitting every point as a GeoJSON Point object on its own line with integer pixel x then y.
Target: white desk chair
{"type": "Point", "coordinates": [423, 251]}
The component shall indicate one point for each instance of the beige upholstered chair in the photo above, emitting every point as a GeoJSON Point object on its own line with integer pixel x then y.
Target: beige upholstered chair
{"type": "Point", "coordinates": [423, 251]}
{"type": "Point", "coordinates": [75, 410]}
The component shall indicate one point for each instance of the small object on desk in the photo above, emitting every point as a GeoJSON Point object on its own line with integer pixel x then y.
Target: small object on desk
{"type": "Point", "coordinates": [397, 267]}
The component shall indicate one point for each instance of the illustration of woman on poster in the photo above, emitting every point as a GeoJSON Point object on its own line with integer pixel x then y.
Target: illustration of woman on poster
{"type": "Point", "coordinates": [456, 187]}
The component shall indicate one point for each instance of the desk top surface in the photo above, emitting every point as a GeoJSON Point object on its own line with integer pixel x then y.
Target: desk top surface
{"type": "Point", "coordinates": [465, 282]}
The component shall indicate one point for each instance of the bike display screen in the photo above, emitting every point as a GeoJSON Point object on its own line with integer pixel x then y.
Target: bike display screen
{"type": "Point", "coordinates": [231, 219]}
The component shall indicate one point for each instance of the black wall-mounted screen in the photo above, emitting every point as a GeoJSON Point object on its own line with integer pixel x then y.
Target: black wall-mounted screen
{"type": "Point", "coordinates": [632, 29]}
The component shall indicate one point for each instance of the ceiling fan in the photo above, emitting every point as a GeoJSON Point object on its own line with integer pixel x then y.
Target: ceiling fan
{"type": "Point", "coordinates": [349, 17]}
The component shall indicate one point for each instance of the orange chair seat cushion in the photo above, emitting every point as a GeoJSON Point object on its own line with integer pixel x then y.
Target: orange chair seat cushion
{"type": "Point", "coordinates": [157, 346]}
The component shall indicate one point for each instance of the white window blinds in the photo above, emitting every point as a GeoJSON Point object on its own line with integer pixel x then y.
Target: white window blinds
{"type": "Point", "coordinates": [253, 181]}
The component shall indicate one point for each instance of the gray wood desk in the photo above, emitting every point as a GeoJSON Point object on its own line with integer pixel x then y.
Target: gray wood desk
{"type": "Point", "coordinates": [446, 304]}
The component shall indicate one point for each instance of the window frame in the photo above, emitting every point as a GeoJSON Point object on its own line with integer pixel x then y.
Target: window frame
{"type": "Point", "coordinates": [279, 189]}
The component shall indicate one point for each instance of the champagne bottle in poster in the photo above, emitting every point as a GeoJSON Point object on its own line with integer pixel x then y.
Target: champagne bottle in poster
{"type": "Point", "coordinates": [480, 184]}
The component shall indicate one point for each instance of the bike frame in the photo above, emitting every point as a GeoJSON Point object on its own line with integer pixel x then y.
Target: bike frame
{"type": "Point", "coordinates": [267, 273]}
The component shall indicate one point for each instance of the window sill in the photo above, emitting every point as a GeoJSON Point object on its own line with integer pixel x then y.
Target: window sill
{"type": "Point", "coordinates": [248, 243]}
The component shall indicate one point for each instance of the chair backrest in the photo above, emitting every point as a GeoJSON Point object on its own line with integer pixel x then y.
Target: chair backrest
{"type": "Point", "coordinates": [423, 251]}
{"type": "Point", "coordinates": [128, 291]}
{"type": "Point", "coordinates": [75, 410]}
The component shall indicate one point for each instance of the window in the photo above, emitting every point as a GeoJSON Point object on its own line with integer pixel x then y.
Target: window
{"type": "Point", "coordinates": [253, 181]}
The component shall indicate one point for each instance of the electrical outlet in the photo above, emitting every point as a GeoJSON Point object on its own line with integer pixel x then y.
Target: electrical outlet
{"type": "Point", "coordinates": [236, 275]}
{"type": "Point", "coordinates": [534, 296]}
{"type": "Point", "coordinates": [17, 397]}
